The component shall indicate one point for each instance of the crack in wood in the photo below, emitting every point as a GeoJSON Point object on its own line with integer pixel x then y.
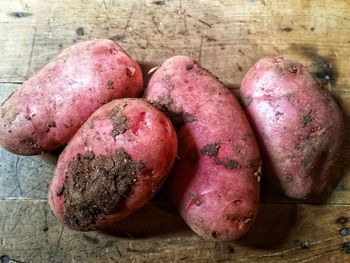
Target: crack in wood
{"type": "Point", "coordinates": [156, 25]}
{"type": "Point", "coordinates": [317, 255]}
{"type": "Point", "coordinates": [17, 177]}
{"type": "Point", "coordinates": [129, 19]}
{"type": "Point", "coordinates": [31, 52]}
{"type": "Point", "coordinates": [200, 50]}
{"type": "Point", "coordinates": [205, 23]}
{"type": "Point", "coordinates": [58, 245]}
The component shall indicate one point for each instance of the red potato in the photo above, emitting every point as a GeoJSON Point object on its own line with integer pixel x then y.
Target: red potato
{"type": "Point", "coordinates": [298, 124]}
{"type": "Point", "coordinates": [45, 112]}
{"type": "Point", "coordinates": [113, 165]}
{"type": "Point", "coordinates": [215, 182]}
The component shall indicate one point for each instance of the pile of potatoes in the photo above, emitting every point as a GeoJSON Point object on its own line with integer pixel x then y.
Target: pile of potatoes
{"type": "Point", "coordinates": [120, 148]}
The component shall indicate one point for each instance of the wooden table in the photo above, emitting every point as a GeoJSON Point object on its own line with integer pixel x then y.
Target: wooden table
{"type": "Point", "coordinates": [227, 37]}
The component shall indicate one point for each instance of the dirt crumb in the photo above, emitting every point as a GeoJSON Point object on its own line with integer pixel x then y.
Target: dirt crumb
{"type": "Point", "coordinates": [51, 124]}
{"type": "Point", "coordinates": [30, 144]}
{"type": "Point", "coordinates": [211, 149]}
{"type": "Point", "coordinates": [176, 114]}
{"type": "Point", "coordinates": [247, 100]}
{"type": "Point", "coordinates": [227, 163]}
{"type": "Point", "coordinates": [306, 119]}
{"type": "Point", "coordinates": [119, 121]}
{"type": "Point", "coordinates": [110, 84]}
{"type": "Point", "coordinates": [60, 191]}
{"type": "Point", "coordinates": [97, 185]}
{"type": "Point", "coordinates": [189, 66]}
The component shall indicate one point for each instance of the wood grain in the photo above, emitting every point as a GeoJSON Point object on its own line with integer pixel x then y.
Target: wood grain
{"type": "Point", "coordinates": [282, 233]}
{"type": "Point", "coordinates": [227, 37]}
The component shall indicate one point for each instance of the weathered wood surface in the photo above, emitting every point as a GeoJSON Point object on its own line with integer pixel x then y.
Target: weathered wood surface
{"type": "Point", "coordinates": [282, 233]}
{"type": "Point", "coordinates": [227, 37]}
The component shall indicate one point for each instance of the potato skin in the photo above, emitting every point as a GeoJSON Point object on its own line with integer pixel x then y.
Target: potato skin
{"type": "Point", "coordinates": [113, 165]}
{"type": "Point", "coordinates": [215, 182]}
{"type": "Point", "coordinates": [298, 125]}
{"type": "Point", "coordinates": [45, 112]}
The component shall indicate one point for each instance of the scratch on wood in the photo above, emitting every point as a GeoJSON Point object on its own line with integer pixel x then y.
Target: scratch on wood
{"type": "Point", "coordinates": [31, 52]}
{"type": "Point", "coordinates": [185, 23]}
{"type": "Point", "coordinates": [119, 253]}
{"type": "Point", "coordinates": [200, 50]}
{"type": "Point", "coordinates": [58, 245]}
{"type": "Point", "coordinates": [106, 12]}
{"type": "Point", "coordinates": [16, 174]}
{"type": "Point", "coordinates": [129, 19]}
{"type": "Point", "coordinates": [205, 23]}
{"type": "Point", "coordinates": [279, 253]}
{"type": "Point", "coordinates": [45, 225]}
{"type": "Point", "coordinates": [318, 255]}
{"type": "Point", "coordinates": [98, 13]}
{"type": "Point", "coordinates": [156, 26]}
{"type": "Point", "coordinates": [15, 225]}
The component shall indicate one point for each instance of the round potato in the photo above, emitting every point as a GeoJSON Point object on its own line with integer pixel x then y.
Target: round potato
{"type": "Point", "coordinates": [113, 165]}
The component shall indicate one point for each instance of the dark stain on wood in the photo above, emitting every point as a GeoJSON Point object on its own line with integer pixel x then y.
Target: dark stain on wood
{"type": "Point", "coordinates": [322, 67]}
{"type": "Point", "coordinates": [346, 247]}
{"type": "Point", "coordinates": [19, 14]}
{"type": "Point", "coordinates": [80, 31]}
{"type": "Point", "coordinates": [92, 240]}
{"type": "Point", "coordinates": [287, 29]}
{"type": "Point", "coordinates": [342, 220]}
{"type": "Point", "coordinates": [159, 2]}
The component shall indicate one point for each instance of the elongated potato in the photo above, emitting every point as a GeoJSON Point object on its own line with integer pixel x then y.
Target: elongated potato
{"type": "Point", "coordinates": [45, 112]}
{"type": "Point", "coordinates": [298, 124]}
{"type": "Point", "coordinates": [215, 182]}
{"type": "Point", "coordinates": [113, 165]}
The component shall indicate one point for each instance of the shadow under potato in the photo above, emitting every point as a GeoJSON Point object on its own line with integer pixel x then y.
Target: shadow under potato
{"type": "Point", "coordinates": [271, 226]}
{"type": "Point", "coordinates": [342, 166]}
{"type": "Point", "coordinates": [146, 67]}
{"type": "Point", "coordinates": [148, 221]}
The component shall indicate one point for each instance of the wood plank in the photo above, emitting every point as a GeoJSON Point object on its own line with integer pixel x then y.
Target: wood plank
{"type": "Point", "coordinates": [16, 50]}
{"type": "Point", "coordinates": [283, 233]}
{"type": "Point", "coordinates": [226, 36]}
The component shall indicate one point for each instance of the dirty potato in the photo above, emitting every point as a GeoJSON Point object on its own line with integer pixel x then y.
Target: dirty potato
{"type": "Point", "coordinates": [45, 112]}
{"type": "Point", "coordinates": [298, 125]}
{"type": "Point", "coordinates": [215, 181]}
{"type": "Point", "coordinates": [113, 165]}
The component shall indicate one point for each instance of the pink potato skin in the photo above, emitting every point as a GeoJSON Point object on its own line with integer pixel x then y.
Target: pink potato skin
{"type": "Point", "coordinates": [149, 137]}
{"type": "Point", "coordinates": [215, 181]}
{"type": "Point", "coordinates": [45, 112]}
{"type": "Point", "coordinates": [298, 125]}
